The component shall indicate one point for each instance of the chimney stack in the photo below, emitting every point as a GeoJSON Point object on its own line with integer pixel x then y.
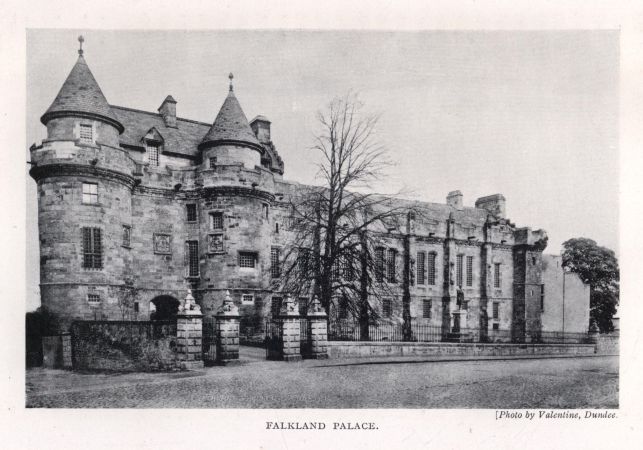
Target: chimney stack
{"type": "Point", "coordinates": [495, 204]}
{"type": "Point", "coordinates": [454, 200]}
{"type": "Point", "coordinates": [168, 111]}
{"type": "Point", "coordinates": [261, 127]}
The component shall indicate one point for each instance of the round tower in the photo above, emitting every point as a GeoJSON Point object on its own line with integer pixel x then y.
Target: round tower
{"type": "Point", "coordinates": [84, 203]}
{"type": "Point", "coordinates": [236, 200]}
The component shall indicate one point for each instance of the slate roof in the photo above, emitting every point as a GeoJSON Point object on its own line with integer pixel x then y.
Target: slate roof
{"type": "Point", "coordinates": [182, 140]}
{"type": "Point", "coordinates": [80, 94]}
{"type": "Point", "coordinates": [231, 125]}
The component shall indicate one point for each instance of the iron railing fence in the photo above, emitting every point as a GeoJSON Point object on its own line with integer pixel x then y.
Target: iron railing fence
{"type": "Point", "coordinates": [273, 338]}
{"type": "Point", "coordinates": [420, 332]}
{"type": "Point", "coordinates": [209, 340]}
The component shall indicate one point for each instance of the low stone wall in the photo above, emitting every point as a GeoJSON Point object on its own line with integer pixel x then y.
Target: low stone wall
{"type": "Point", "coordinates": [607, 344]}
{"type": "Point", "coordinates": [345, 349]}
{"type": "Point", "coordinates": [124, 346]}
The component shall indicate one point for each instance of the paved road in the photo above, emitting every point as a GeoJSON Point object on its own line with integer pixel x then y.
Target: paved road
{"type": "Point", "coordinates": [590, 382]}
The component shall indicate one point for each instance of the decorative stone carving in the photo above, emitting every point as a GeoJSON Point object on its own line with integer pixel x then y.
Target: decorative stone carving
{"type": "Point", "coordinates": [215, 243]}
{"type": "Point", "coordinates": [162, 243]}
{"type": "Point", "coordinates": [189, 305]}
{"type": "Point", "coordinates": [228, 308]}
{"type": "Point", "coordinates": [316, 308]}
{"type": "Point", "coordinates": [289, 307]}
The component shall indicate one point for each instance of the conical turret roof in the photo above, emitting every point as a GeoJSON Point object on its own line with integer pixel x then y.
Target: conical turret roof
{"type": "Point", "coordinates": [80, 95]}
{"type": "Point", "coordinates": [231, 126]}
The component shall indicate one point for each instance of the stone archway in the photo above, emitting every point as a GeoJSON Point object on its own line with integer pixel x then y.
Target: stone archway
{"type": "Point", "coordinates": [164, 307]}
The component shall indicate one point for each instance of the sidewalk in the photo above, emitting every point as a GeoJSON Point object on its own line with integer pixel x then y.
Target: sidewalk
{"type": "Point", "coordinates": [47, 381]}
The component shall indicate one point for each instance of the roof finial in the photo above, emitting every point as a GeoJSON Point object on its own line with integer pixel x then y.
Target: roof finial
{"type": "Point", "coordinates": [231, 77]}
{"type": "Point", "coordinates": [81, 39]}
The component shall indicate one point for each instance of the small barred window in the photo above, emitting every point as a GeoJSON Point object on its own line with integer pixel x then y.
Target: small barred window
{"type": "Point", "coordinates": [247, 299]}
{"type": "Point", "coordinates": [213, 162]}
{"type": "Point", "coordinates": [216, 221]}
{"type": "Point", "coordinates": [93, 299]}
{"type": "Point", "coordinates": [387, 307]}
{"type": "Point", "coordinates": [426, 309]}
{"type": "Point", "coordinates": [247, 260]}
{"type": "Point", "coordinates": [86, 134]}
{"type": "Point", "coordinates": [191, 212]}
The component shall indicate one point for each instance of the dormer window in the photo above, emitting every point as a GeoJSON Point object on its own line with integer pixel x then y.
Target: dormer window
{"type": "Point", "coordinates": [86, 133]}
{"type": "Point", "coordinates": [152, 149]}
{"type": "Point", "coordinates": [213, 162]}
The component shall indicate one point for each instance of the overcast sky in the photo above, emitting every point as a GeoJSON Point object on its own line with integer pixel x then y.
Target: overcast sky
{"type": "Point", "coordinates": [531, 115]}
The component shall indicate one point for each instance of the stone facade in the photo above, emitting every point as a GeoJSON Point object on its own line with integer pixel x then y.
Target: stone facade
{"type": "Point", "coordinates": [181, 204]}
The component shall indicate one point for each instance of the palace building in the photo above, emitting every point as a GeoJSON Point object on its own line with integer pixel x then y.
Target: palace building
{"type": "Point", "coordinates": [136, 206]}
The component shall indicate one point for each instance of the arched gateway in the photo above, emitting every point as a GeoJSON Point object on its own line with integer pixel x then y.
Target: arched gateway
{"type": "Point", "coordinates": [164, 307]}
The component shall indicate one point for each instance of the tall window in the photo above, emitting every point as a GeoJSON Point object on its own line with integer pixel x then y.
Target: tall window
{"type": "Point", "coordinates": [303, 261]}
{"type": "Point", "coordinates": [347, 268]}
{"type": "Point", "coordinates": [542, 297]}
{"type": "Point", "coordinates": [421, 267]}
{"type": "Point", "coordinates": [90, 193]}
{"type": "Point", "coordinates": [275, 306]}
{"type": "Point", "coordinates": [390, 265]}
{"type": "Point", "coordinates": [152, 153]}
{"type": "Point", "coordinates": [127, 236]}
{"type": "Point", "coordinates": [213, 162]}
{"type": "Point", "coordinates": [469, 270]}
{"type": "Point", "coordinates": [431, 268]}
{"type": "Point", "coordinates": [379, 264]}
{"type": "Point", "coordinates": [216, 221]}
{"type": "Point", "coordinates": [192, 256]}
{"type": "Point", "coordinates": [496, 310]}
{"type": "Point", "coordinates": [426, 309]}
{"type": "Point", "coordinates": [496, 275]}
{"type": "Point", "coordinates": [458, 269]}
{"type": "Point", "coordinates": [247, 260]}
{"type": "Point", "coordinates": [275, 267]}
{"type": "Point", "coordinates": [92, 248]}
{"type": "Point", "coordinates": [387, 307]}
{"type": "Point", "coordinates": [190, 210]}
{"type": "Point", "coordinates": [86, 134]}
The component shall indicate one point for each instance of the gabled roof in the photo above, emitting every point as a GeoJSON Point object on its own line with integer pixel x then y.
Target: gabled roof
{"type": "Point", "coordinates": [231, 126]}
{"type": "Point", "coordinates": [80, 95]}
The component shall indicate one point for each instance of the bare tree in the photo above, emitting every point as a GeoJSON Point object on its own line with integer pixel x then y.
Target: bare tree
{"type": "Point", "coordinates": [339, 229]}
